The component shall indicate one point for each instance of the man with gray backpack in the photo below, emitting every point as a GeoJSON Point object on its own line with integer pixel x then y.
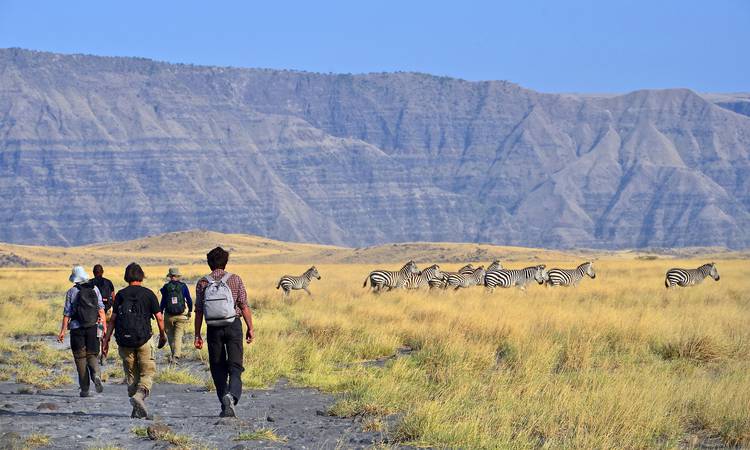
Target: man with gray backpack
{"type": "Point", "coordinates": [83, 310]}
{"type": "Point", "coordinates": [221, 298]}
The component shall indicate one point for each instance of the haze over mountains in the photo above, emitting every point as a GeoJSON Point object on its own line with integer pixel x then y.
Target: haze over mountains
{"type": "Point", "coordinates": [99, 149]}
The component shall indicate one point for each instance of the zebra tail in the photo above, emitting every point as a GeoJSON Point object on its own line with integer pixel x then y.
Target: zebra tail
{"type": "Point", "coordinates": [365, 284]}
{"type": "Point", "coordinates": [278, 285]}
{"type": "Point", "coordinates": [666, 283]}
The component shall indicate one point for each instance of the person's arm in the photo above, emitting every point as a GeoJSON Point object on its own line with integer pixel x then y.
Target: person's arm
{"type": "Point", "coordinates": [200, 289]}
{"type": "Point", "coordinates": [108, 333]}
{"type": "Point", "coordinates": [159, 319]}
{"type": "Point", "coordinates": [245, 310]}
{"type": "Point", "coordinates": [100, 303]}
{"type": "Point", "coordinates": [163, 304]}
{"type": "Point", "coordinates": [248, 316]}
{"type": "Point", "coordinates": [67, 311]}
{"type": "Point", "coordinates": [188, 299]}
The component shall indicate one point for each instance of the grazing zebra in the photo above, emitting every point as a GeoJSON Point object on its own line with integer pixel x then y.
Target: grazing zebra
{"type": "Point", "coordinates": [519, 278]}
{"type": "Point", "coordinates": [466, 280]}
{"type": "Point", "coordinates": [290, 282]}
{"type": "Point", "coordinates": [380, 279]}
{"type": "Point", "coordinates": [570, 277]}
{"type": "Point", "coordinates": [442, 282]}
{"type": "Point", "coordinates": [423, 278]}
{"type": "Point", "coordinates": [691, 277]}
{"type": "Point", "coordinates": [496, 265]}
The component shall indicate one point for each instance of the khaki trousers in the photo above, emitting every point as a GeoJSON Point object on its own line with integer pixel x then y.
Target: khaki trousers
{"type": "Point", "coordinates": [175, 326]}
{"type": "Point", "coordinates": [139, 366]}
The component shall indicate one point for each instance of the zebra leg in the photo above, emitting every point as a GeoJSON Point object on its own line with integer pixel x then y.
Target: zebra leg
{"type": "Point", "coordinates": [308, 291]}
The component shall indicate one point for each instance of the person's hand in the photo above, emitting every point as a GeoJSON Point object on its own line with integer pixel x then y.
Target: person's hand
{"type": "Point", "coordinates": [61, 336]}
{"type": "Point", "coordinates": [249, 335]}
{"type": "Point", "coordinates": [105, 347]}
{"type": "Point", "coordinates": [198, 342]}
{"type": "Point", "coordinates": [162, 340]}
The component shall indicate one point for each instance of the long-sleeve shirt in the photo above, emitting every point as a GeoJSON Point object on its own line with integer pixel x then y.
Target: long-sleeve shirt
{"type": "Point", "coordinates": [185, 293]}
{"type": "Point", "coordinates": [69, 309]}
{"type": "Point", "coordinates": [235, 285]}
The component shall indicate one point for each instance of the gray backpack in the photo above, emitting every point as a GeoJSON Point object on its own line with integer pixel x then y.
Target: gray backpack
{"type": "Point", "coordinates": [218, 305]}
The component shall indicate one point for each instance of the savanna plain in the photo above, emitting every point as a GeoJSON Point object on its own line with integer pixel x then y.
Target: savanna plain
{"type": "Point", "coordinates": [618, 362]}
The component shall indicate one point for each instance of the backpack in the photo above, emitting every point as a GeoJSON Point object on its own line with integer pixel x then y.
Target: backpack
{"type": "Point", "coordinates": [104, 289]}
{"type": "Point", "coordinates": [175, 298]}
{"type": "Point", "coordinates": [133, 324]}
{"type": "Point", "coordinates": [218, 305]}
{"type": "Point", "coordinates": [87, 305]}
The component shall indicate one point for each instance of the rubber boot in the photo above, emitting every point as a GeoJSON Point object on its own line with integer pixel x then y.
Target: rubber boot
{"type": "Point", "coordinates": [93, 364]}
{"type": "Point", "coordinates": [83, 374]}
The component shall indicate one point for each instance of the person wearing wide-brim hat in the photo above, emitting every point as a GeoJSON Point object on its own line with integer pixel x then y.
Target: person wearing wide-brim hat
{"type": "Point", "coordinates": [177, 306]}
{"type": "Point", "coordinates": [83, 310]}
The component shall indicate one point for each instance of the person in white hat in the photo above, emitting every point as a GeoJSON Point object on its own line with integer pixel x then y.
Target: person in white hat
{"type": "Point", "coordinates": [83, 311]}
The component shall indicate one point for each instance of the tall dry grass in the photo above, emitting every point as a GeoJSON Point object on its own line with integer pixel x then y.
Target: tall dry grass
{"type": "Point", "coordinates": [617, 363]}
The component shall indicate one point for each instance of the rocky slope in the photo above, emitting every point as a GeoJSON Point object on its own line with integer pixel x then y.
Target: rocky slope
{"type": "Point", "coordinates": [97, 149]}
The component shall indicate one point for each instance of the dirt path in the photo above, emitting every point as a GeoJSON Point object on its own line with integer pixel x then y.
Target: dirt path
{"type": "Point", "coordinates": [295, 414]}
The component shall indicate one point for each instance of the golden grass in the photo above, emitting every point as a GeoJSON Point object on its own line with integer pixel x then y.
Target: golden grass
{"type": "Point", "coordinates": [612, 364]}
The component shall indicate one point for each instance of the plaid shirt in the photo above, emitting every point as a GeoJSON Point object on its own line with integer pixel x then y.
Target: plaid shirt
{"type": "Point", "coordinates": [235, 285]}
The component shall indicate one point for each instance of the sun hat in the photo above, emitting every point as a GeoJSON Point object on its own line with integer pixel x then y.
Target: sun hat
{"type": "Point", "coordinates": [174, 272]}
{"type": "Point", "coordinates": [78, 275]}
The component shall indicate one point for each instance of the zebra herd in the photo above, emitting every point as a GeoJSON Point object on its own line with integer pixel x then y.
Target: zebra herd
{"type": "Point", "coordinates": [410, 277]}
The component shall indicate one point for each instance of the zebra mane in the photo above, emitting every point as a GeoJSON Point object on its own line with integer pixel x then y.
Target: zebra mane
{"type": "Point", "coordinates": [587, 263]}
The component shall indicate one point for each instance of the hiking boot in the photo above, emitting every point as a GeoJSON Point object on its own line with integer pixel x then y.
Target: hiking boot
{"type": "Point", "coordinates": [227, 406]}
{"type": "Point", "coordinates": [139, 404]}
{"type": "Point", "coordinates": [98, 384]}
{"type": "Point", "coordinates": [84, 394]}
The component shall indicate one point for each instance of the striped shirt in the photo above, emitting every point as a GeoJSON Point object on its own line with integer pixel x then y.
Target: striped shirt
{"type": "Point", "coordinates": [235, 285]}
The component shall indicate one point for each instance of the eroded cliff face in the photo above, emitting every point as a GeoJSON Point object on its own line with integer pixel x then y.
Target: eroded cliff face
{"type": "Point", "coordinates": [96, 149]}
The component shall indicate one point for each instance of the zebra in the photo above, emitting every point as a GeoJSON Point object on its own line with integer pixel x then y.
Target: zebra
{"type": "Point", "coordinates": [458, 281]}
{"type": "Point", "coordinates": [690, 277]}
{"type": "Point", "coordinates": [570, 277]}
{"type": "Point", "coordinates": [496, 265]}
{"type": "Point", "coordinates": [442, 282]}
{"type": "Point", "coordinates": [380, 279]}
{"type": "Point", "coordinates": [423, 278]}
{"type": "Point", "coordinates": [290, 282]}
{"type": "Point", "coordinates": [519, 278]}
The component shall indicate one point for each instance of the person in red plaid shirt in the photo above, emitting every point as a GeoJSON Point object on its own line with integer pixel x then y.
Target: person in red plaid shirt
{"type": "Point", "coordinates": [224, 340]}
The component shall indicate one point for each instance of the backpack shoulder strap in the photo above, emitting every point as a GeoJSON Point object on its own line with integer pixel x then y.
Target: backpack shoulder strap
{"type": "Point", "coordinates": [225, 278]}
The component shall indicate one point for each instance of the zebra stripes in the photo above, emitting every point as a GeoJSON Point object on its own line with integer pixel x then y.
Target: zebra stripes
{"type": "Point", "coordinates": [570, 277]}
{"type": "Point", "coordinates": [519, 278]}
{"type": "Point", "coordinates": [290, 282]}
{"type": "Point", "coordinates": [690, 277]}
{"type": "Point", "coordinates": [496, 265]}
{"type": "Point", "coordinates": [380, 279]}
{"type": "Point", "coordinates": [423, 278]}
{"type": "Point", "coordinates": [442, 282]}
{"type": "Point", "coordinates": [465, 280]}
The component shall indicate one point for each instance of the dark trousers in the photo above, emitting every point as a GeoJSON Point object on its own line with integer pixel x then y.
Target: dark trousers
{"type": "Point", "coordinates": [225, 358]}
{"type": "Point", "coordinates": [85, 347]}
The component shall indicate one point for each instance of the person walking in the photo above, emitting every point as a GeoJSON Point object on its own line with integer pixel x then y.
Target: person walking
{"type": "Point", "coordinates": [107, 291]}
{"type": "Point", "coordinates": [82, 312]}
{"type": "Point", "coordinates": [221, 298]}
{"type": "Point", "coordinates": [132, 311]}
{"type": "Point", "coordinates": [176, 306]}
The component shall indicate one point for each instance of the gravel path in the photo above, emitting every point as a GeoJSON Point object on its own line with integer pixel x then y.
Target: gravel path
{"type": "Point", "coordinates": [296, 414]}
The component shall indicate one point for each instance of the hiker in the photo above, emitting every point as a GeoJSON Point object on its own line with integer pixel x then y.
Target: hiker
{"type": "Point", "coordinates": [82, 312]}
{"type": "Point", "coordinates": [107, 291]}
{"type": "Point", "coordinates": [222, 299]}
{"type": "Point", "coordinates": [132, 311]}
{"type": "Point", "coordinates": [177, 306]}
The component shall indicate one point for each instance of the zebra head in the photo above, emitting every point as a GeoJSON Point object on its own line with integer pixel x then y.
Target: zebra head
{"type": "Point", "coordinates": [479, 273]}
{"type": "Point", "coordinates": [496, 265]}
{"type": "Point", "coordinates": [410, 268]}
{"type": "Point", "coordinates": [590, 269]}
{"type": "Point", "coordinates": [433, 272]}
{"type": "Point", "coordinates": [714, 272]}
{"type": "Point", "coordinates": [540, 275]}
{"type": "Point", "coordinates": [313, 272]}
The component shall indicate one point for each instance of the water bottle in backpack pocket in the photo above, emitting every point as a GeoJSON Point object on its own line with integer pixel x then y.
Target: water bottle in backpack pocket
{"type": "Point", "coordinates": [218, 306]}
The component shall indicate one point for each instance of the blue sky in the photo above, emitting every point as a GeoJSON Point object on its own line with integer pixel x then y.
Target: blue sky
{"type": "Point", "coordinates": [551, 46]}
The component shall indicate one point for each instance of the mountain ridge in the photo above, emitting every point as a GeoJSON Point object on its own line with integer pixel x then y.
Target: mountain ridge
{"type": "Point", "coordinates": [361, 159]}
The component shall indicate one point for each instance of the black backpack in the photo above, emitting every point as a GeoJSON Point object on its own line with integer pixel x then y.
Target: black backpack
{"type": "Point", "coordinates": [87, 305]}
{"type": "Point", "coordinates": [133, 324]}
{"type": "Point", "coordinates": [175, 298]}
{"type": "Point", "coordinates": [104, 289]}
